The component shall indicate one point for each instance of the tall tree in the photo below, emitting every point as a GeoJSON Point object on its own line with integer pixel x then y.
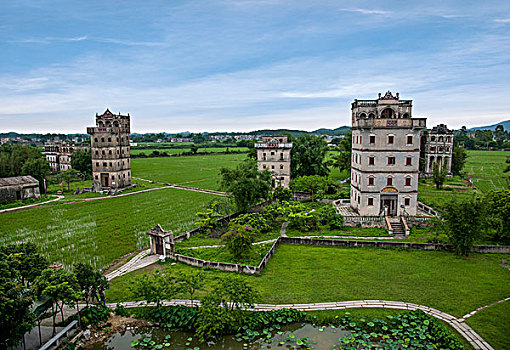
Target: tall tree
{"type": "Point", "coordinates": [308, 156]}
{"type": "Point", "coordinates": [37, 168]}
{"type": "Point", "coordinates": [464, 222]}
{"type": "Point", "coordinates": [81, 160]}
{"type": "Point", "coordinates": [15, 301]}
{"type": "Point", "coordinates": [156, 287]}
{"type": "Point", "coordinates": [61, 287]}
{"type": "Point", "coordinates": [90, 280]}
{"type": "Point", "coordinates": [24, 259]}
{"type": "Point", "coordinates": [459, 157]}
{"type": "Point", "coordinates": [247, 185]}
{"type": "Point", "coordinates": [342, 160]}
{"type": "Point", "coordinates": [68, 176]}
{"type": "Point", "coordinates": [498, 207]}
{"type": "Point", "coordinates": [439, 174]}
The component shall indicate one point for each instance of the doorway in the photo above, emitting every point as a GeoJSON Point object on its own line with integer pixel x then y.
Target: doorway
{"type": "Point", "coordinates": [104, 180]}
{"type": "Point", "coordinates": [390, 202]}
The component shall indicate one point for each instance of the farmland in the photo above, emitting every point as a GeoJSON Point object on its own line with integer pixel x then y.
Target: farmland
{"type": "Point", "coordinates": [196, 171]}
{"type": "Point", "coordinates": [103, 230]}
{"type": "Point", "coordinates": [136, 151]}
{"type": "Point", "coordinates": [486, 169]}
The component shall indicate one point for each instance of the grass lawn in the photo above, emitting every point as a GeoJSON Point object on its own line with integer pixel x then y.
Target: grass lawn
{"type": "Point", "coordinates": [196, 171]}
{"type": "Point", "coordinates": [493, 324]}
{"type": "Point", "coordinates": [486, 169]}
{"type": "Point", "coordinates": [101, 231]}
{"type": "Point", "coordinates": [453, 188]}
{"type": "Point", "coordinates": [305, 274]}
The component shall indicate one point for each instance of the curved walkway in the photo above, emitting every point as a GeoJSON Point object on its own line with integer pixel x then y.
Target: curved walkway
{"type": "Point", "coordinates": [32, 205]}
{"type": "Point", "coordinates": [458, 324]}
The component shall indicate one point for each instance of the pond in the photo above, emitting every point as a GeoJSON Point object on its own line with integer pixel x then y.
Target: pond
{"type": "Point", "coordinates": [287, 337]}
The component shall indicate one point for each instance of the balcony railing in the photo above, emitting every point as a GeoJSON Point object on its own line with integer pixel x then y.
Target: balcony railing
{"type": "Point", "coordinates": [267, 145]}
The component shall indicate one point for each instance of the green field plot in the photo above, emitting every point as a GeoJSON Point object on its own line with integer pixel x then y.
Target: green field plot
{"type": "Point", "coordinates": [493, 324]}
{"type": "Point", "coordinates": [453, 188]}
{"type": "Point", "coordinates": [101, 231]}
{"type": "Point", "coordinates": [136, 151]}
{"type": "Point", "coordinates": [306, 274]}
{"type": "Point", "coordinates": [196, 171]}
{"type": "Point", "coordinates": [486, 169]}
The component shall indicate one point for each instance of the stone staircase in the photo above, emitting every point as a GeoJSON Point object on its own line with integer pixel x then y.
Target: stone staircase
{"type": "Point", "coordinates": [398, 228]}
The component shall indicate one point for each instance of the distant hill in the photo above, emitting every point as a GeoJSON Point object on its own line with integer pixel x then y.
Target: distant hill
{"type": "Point", "coordinates": [506, 125]}
{"type": "Point", "coordinates": [332, 132]}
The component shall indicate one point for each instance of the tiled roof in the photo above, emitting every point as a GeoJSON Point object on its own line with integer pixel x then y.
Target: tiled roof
{"type": "Point", "coordinates": [18, 180]}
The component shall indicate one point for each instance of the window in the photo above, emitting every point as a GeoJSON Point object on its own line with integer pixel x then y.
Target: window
{"type": "Point", "coordinates": [390, 139]}
{"type": "Point", "coordinates": [110, 163]}
{"type": "Point", "coordinates": [97, 163]}
{"type": "Point", "coordinates": [281, 156]}
{"type": "Point", "coordinates": [391, 160]}
{"type": "Point", "coordinates": [95, 139]}
{"type": "Point", "coordinates": [113, 177]}
{"type": "Point", "coordinates": [281, 166]}
{"type": "Point", "coordinates": [272, 166]}
{"type": "Point", "coordinates": [407, 202]}
{"type": "Point", "coordinates": [409, 139]}
{"type": "Point", "coordinates": [432, 138]}
{"type": "Point", "coordinates": [409, 160]}
{"type": "Point", "coordinates": [371, 160]}
{"type": "Point", "coordinates": [371, 181]}
{"type": "Point", "coordinates": [408, 181]}
{"type": "Point", "coordinates": [109, 139]}
{"type": "Point", "coordinates": [389, 181]}
{"type": "Point", "coordinates": [97, 177]}
{"type": "Point", "coordinates": [359, 199]}
{"type": "Point", "coordinates": [264, 166]}
{"type": "Point", "coordinates": [372, 139]}
{"type": "Point", "coordinates": [97, 152]}
{"type": "Point", "coordinates": [102, 139]}
{"type": "Point", "coordinates": [370, 201]}
{"type": "Point", "coordinates": [432, 149]}
{"type": "Point", "coordinates": [104, 164]}
{"type": "Point", "coordinates": [110, 152]}
{"type": "Point", "coordinates": [361, 139]}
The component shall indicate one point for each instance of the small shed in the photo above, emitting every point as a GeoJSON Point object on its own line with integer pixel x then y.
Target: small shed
{"type": "Point", "coordinates": [162, 242]}
{"type": "Point", "coordinates": [18, 188]}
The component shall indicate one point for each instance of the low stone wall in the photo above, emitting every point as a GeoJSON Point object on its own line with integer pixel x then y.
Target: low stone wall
{"type": "Point", "coordinates": [364, 221]}
{"type": "Point", "coordinates": [239, 268]}
{"type": "Point", "coordinates": [386, 244]}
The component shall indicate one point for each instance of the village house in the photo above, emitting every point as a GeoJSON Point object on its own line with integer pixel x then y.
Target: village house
{"type": "Point", "coordinates": [273, 153]}
{"type": "Point", "coordinates": [18, 188]}
{"type": "Point", "coordinates": [385, 156]}
{"type": "Point", "coordinates": [111, 160]}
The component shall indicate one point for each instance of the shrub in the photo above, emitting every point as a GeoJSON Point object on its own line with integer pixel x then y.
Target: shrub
{"type": "Point", "coordinates": [327, 215]}
{"type": "Point", "coordinates": [94, 315]}
{"type": "Point", "coordinates": [282, 194]}
{"type": "Point", "coordinates": [258, 222]}
{"type": "Point", "coordinates": [238, 239]}
{"type": "Point", "coordinates": [303, 221]}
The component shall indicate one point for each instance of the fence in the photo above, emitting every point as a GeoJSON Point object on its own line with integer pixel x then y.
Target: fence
{"type": "Point", "coordinates": [57, 339]}
{"type": "Point", "coordinates": [427, 209]}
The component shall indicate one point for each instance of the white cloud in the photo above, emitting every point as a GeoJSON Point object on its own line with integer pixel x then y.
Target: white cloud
{"type": "Point", "coordinates": [502, 20]}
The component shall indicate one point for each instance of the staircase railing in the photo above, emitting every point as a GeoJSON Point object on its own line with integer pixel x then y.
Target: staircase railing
{"type": "Point", "coordinates": [388, 225]}
{"type": "Point", "coordinates": [406, 227]}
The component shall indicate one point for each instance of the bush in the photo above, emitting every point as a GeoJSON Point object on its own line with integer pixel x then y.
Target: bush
{"type": "Point", "coordinates": [327, 215]}
{"type": "Point", "coordinates": [120, 310]}
{"type": "Point", "coordinates": [238, 239]}
{"type": "Point", "coordinates": [302, 221]}
{"type": "Point", "coordinates": [258, 222]}
{"type": "Point", "coordinates": [282, 194]}
{"type": "Point", "coordinates": [94, 315]}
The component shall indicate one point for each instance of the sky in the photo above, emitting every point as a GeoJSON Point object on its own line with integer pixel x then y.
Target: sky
{"type": "Point", "coordinates": [225, 65]}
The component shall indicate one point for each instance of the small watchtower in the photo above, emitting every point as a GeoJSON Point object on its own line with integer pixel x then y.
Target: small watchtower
{"type": "Point", "coordinates": [162, 242]}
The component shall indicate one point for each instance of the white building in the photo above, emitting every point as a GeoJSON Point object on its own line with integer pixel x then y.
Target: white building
{"type": "Point", "coordinates": [437, 147]}
{"type": "Point", "coordinates": [273, 153]}
{"type": "Point", "coordinates": [385, 156]}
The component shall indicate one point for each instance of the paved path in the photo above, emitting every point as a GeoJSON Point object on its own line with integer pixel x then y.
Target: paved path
{"type": "Point", "coordinates": [141, 260]}
{"type": "Point", "coordinates": [481, 308]}
{"type": "Point", "coordinates": [32, 205]}
{"type": "Point", "coordinates": [458, 324]}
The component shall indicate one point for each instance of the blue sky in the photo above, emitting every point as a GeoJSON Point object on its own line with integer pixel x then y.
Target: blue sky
{"type": "Point", "coordinates": [245, 65]}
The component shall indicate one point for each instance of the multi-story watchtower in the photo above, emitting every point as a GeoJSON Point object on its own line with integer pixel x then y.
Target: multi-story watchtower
{"type": "Point", "coordinates": [111, 162]}
{"type": "Point", "coordinates": [437, 147]}
{"type": "Point", "coordinates": [385, 156]}
{"type": "Point", "coordinates": [273, 153]}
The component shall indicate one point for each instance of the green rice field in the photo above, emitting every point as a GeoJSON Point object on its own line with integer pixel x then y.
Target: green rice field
{"type": "Point", "coordinates": [195, 171]}
{"type": "Point", "coordinates": [486, 169]}
{"type": "Point", "coordinates": [101, 231]}
{"type": "Point", "coordinates": [135, 151]}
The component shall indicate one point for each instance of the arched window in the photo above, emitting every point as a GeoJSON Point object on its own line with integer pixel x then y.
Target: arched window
{"type": "Point", "coordinates": [371, 115]}
{"type": "Point", "coordinates": [406, 115]}
{"type": "Point", "coordinates": [388, 113]}
{"type": "Point", "coordinates": [440, 138]}
{"type": "Point", "coordinates": [432, 138]}
{"type": "Point", "coordinates": [363, 115]}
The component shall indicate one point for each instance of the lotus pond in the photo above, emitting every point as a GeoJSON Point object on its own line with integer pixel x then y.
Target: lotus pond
{"type": "Point", "coordinates": [407, 330]}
